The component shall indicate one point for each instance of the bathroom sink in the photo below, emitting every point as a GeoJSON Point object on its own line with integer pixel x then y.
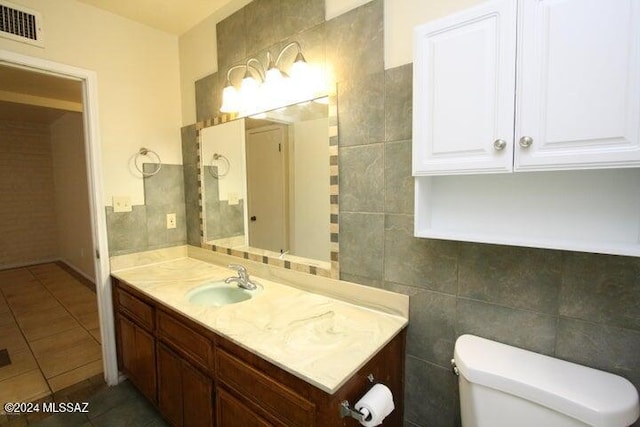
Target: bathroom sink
{"type": "Point", "coordinates": [219, 293]}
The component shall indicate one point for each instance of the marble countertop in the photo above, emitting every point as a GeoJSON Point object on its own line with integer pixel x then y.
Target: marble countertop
{"type": "Point", "coordinates": [319, 339]}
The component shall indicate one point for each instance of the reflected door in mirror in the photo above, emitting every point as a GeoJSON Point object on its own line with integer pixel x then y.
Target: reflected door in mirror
{"type": "Point", "coordinates": [267, 187]}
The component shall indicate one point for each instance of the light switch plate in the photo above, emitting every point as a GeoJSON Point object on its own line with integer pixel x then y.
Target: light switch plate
{"type": "Point", "coordinates": [171, 220]}
{"type": "Point", "coordinates": [121, 204]}
{"type": "Point", "coordinates": [233, 199]}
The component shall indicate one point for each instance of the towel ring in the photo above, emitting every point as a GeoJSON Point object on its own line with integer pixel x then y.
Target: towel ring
{"type": "Point", "coordinates": [215, 157]}
{"type": "Point", "coordinates": [145, 152]}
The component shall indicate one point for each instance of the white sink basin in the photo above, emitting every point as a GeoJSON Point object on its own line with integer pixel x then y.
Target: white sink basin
{"type": "Point", "coordinates": [218, 293]}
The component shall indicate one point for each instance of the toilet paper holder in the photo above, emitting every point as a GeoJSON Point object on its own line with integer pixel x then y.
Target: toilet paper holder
{"type": "Point", "coordinates": [347, 411]}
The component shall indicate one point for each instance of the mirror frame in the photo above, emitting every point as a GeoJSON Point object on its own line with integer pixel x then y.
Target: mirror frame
{"type": "Point", "coordinates": [334, 271]}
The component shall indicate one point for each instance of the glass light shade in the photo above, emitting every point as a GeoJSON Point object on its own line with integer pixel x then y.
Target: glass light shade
{"type": "Point", "coordinates": [300, 68]}
{"type": "Point", "coordinates": [274, 75]}
{"type": "Point", "coordinates": [277, 89]}
{"type": "Point", "coordinates": [249, 89]}
{"type": "Point", "coordinates": [230, 100]}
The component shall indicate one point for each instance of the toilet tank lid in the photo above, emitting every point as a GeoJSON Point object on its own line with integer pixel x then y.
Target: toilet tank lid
{"type": "Point", "coordinates": [592, 396]}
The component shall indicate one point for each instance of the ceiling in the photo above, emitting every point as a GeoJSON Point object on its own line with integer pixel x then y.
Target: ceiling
{"type": "Point", "coordinates": [36, 97]}
{"type": "Point", "coordinates": [20, 80]}
{"type": "Point", "coordinates": [171, 16]}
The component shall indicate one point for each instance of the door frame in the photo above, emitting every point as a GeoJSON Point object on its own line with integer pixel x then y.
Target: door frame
{"type": "Point", "coordinates": [93, 159]}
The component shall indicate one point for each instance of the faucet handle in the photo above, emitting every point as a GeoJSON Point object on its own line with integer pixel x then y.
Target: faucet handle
{"type": "Point", "coordinates": [241, 269]}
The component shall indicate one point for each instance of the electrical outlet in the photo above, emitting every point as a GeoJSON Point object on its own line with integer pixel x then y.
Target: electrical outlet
{"type": "Point", "coordinates": [121, 204]}
{"type": "Point", "coordinates": [171, 220]}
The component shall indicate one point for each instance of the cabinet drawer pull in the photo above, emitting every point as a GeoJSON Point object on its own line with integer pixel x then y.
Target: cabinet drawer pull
{"type": "Point", "coordinates": [499, 144]}
{"type": "Point", "coordinates": [526, 141]}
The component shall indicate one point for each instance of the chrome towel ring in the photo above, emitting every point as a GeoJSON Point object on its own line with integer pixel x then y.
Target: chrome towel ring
{"type": "Point", "coordinates": [212, 167]}
{"type": "Point", "coordinates": [145, 152]}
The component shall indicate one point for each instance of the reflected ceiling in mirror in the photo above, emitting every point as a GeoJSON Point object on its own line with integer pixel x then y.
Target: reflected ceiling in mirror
{"type": "Point", "coordinates": [269, 186]}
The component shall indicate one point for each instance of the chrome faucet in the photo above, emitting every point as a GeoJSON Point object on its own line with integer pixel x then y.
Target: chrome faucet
{"type": "Point", "coordinates": [243, 279]}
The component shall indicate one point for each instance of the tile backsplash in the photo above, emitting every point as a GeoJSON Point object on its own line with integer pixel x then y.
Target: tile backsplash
{"type": "Point", "coordinates": [145, 227]}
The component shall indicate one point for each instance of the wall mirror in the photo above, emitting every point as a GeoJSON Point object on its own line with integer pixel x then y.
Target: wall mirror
{"type": "Point", "coordinates": [269, 187]}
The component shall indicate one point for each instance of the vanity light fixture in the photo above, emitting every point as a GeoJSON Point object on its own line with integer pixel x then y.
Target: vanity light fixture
{"type": "Point", "coordinates": [263, 89]}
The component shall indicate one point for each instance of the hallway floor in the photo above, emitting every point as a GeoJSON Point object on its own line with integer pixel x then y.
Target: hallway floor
{"type": "Point", "coordinates": [49, 332]}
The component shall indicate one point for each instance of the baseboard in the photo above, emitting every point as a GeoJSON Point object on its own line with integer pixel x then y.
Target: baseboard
{"type": "Point", "coordinates": [77, 270]}
{"type": "Point", "coordinates": [28, 263]}
{"type": "Point", "coordinates": [78, 274]}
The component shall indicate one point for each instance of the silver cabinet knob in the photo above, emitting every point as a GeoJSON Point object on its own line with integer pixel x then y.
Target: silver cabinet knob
{"type": "Point", "coordinates": [499, 144]}
{"type": "Point", "coordinates": [525, 141]}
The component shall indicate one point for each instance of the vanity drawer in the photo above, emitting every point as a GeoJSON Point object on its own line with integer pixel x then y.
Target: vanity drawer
{"type": "Point", "coordinates": [185, 340]}
{"type": "Point", "coordinates": [135, 308]}
{"type": "Point", "coordinates": [274, 398]}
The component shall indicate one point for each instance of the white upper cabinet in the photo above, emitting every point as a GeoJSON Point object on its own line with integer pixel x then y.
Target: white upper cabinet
{"type": "Point", "coordinates": [464, 79]}
{"type": "Point", "coordinates": [578, 84]}
{"type": "Point", "coordinates": [569, 98]}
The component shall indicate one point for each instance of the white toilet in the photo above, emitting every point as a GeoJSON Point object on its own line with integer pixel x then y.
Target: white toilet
{"type": "Point", "coordinates": [504, 386]}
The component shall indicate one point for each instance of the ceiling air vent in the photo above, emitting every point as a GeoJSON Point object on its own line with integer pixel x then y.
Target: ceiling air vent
{"type": "Point", "coordinates": [21, 24]}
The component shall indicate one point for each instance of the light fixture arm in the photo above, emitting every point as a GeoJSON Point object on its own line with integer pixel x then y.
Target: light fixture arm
{"type": "Point", "coordinates": [247, 66]}
{"type": "Point", "coordinates": [261, 71]}
{"type": "Point", "coordinates": [284, 49]}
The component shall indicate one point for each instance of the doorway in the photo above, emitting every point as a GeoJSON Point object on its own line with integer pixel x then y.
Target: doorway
{"type": "Point", "coordinates": [45, 274]}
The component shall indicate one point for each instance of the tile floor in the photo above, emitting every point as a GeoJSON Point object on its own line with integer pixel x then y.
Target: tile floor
{"type": "Point", "coordinates": [50, 328]}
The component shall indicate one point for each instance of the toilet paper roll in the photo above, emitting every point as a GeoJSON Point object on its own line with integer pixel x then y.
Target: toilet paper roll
{"type": "Point", "coordinates": [378, 403]}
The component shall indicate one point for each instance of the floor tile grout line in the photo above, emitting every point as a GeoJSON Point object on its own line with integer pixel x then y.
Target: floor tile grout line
{"type": "Point", "coordinates": [11, 310]}
{"type": "Point", "coordinates": [25, 338]}
{"type": "Point", "coordinates": [74, 318]}
{"type": "Point", "coordinates": [28, 342]}
{"type": "Point", "coordinates": [64, 305]}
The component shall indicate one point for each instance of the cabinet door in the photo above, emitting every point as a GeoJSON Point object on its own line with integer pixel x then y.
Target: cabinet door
{"type": "Point", "coordinates": [464, 84]}
{"type": "Point", "coordinates": [185, 396]}
{"type": "Point", "coordinates": [233, 413]}
{"type": "Point", "coordinates": [170, 385]}
{"type": "Point", "coordinates": [126, 341]}
{"type": "Point", "coordinates": [578, 92]}
{"type": "Point", "coordinates": [138, 359]}
{"type": "Point", "coordinates": [197, 397]}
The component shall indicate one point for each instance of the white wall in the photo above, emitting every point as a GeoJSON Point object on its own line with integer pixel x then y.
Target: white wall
{"type": "Point", "coordinates": [226, 139]}
{"type": "Point", "coordinates": [75, 243]}
{"type": "Point", "coordinates": [138, 83]}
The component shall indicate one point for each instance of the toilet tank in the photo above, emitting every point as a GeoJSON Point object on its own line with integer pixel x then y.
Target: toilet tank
{"type": "Point", "coordinates": [505, 386]}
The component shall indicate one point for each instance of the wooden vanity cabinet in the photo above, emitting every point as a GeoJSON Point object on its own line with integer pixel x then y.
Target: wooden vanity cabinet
{"type": "Point", "coordinates": [206, 380]}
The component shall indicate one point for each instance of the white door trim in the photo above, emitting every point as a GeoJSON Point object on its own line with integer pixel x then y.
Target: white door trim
{"type": "Point", "coordinates": [93, 159]}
